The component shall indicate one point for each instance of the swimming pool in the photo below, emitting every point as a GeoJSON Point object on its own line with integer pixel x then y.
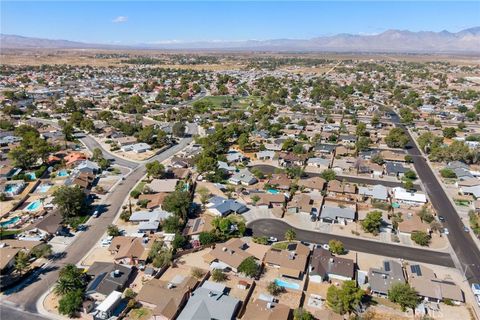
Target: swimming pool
{"type": "Point", "coordinates": [31, 175]}
{"type": "Point", "coordinates": [9, 222]}
{"type": "Point", "coordinates": [273, 191]}
{"type": "Point", "coordinates": [33, 206]}
{"type": "Point", "coordinates": [288, 285]}
{"type": "Point", "coordinates": [11, 188]}
{"type": "Point", "coordinates": [44, 188]}
{"type": "Point", "coordinates": [62, 173]}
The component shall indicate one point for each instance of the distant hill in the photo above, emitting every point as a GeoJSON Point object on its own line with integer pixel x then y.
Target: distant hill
{"type": "Point", "coordinates": [401, 41]}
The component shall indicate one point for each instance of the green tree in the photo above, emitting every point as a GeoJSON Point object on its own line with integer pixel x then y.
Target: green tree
{"type": "Point", "coordinates": [336, 246]}
{"type": "Point", "coordinates": [274, 289]}
{"type": "Point", "coordinates": [372, 222]}
{"type": "Point", "coordinates": [70, 303]}
{"type": "Point", "coordinates": [70, 201]}
{"type": "Point", "coordinates": [207, 238]}
{"type": "Point", "coordinates": [70, 279]}
{"type": "Point", "coordinates": [68, 131]}
{"type": "Point", "coordinates": [243, 141]}
{"type": "Point", "coordinates": [179, 241]}
{"type": "Point", "coordinates": [302, 314]}
{"type": "Point", "coordinates": [204, 194]}
{"type": "Point", "coordinates": [396, 138]}
{"type": "Point", "coordinates": [70, 105]}
{"type": "Point", "coordinates": [172, 224]}
{"type": "Point", "coordinates": [345, 299]}
{"type": "Point", "coordinates": [449, 132]}
{"type": "Point", "coordinates": [363, 143]}
{"type": "Point", "coordinates": [328, 175]}
{"type": "Point", "coordinates": [410, 174]}
{"type": "Point", "coordinates": [163, 258]}
{"type": "Point", "coordinates": [43, 250]}
{"type": "Point", "coordinates": [249, 267]}
{"type": "Point", "coordinates": [408, 184]}
{"type": "Point", "coordinates": [113, 231]}
{"type": "Point", "coordinates": [447, 173]}
{"type": "Point", "coordinates": [97, 154]}
{"type": "Point", "coordinates": [404, 295]}
{"type": "Point", "coordinates": [179, 129]}
{"type": "Point", "coordinates": [21, 261]}
{"type": "Point", "coordinates": [421, 238]}
{"type": "Point", "coordinates": [290, 235]}
{"type": "Point", "coordinates": [178, 203]}
{"type": "Point", "coordinates": [218, 275]}
{"type": "Point", "coordinates": [155, 169]}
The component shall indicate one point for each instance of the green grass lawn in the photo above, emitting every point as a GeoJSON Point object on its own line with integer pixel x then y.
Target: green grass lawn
{"type": "Point", "coordinates": [281, 245]}
{"type": "Point", "coordinates": [7, 233]}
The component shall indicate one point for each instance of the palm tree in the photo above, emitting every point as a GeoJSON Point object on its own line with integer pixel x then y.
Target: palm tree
{"type": "Point", "coordinates": [21, 261]}
{"type": "Point", "coordinates": [69, 280]}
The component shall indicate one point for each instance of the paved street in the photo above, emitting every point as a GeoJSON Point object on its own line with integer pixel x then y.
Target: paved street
{"type": "Point", "coordinates": [462, 243]}
{"type": "Point", "coordinates": [8, 313]}
{"type": "Point", "coordinates": [277, 228]}
{"type": "Point", "coordinates": [91, 144]}
{"type": "Point", "coordinates": [26, 295]}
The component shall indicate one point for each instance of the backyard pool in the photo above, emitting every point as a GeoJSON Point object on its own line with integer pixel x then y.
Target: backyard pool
{"type": "Point", "coordinates": [33, 206]}
{"type": "Point", "coordinates": [11, 188]}
{"type": "Point", "coordinates": [31, 175]}
{"type": "Point", "coordinates": [273, 191]}
{"type": "Point", "coordinates": [9, 222]}
{"type": "Point", "coordinates": [44, 188]}
{"type": "Point", "coordinates": [62, 173]}
{"type": "Point", "coordinates": [288, 285]}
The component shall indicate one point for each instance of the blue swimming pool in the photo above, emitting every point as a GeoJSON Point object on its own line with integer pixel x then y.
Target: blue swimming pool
{"type": "Point", "coordinates": [33, 206]}
{"type": "Point", "coordinates": [9, 222]}
{"type": "Point", "coordinates": [288, 285]}
{"type": "Point", "coordinates": [273, 191]}
{"type": "Point", "coordinates": [11, 188]}
{"type": "Point", "coordinates": [31, 175]}
{"type": "Point", "coordinates": [62, 173]}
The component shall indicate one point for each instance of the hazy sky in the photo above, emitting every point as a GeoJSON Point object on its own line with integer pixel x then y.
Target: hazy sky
{"type": "Point", "coordinates": [130, 22]}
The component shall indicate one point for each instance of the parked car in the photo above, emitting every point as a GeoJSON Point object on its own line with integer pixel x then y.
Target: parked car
{"type": "Point", "coordinates": [441, 218]}
{"type": "Point", "coordinates": [445, 231]}
{"type": "Point", "coordinates": [95, 214]}
{"type": "Point", "coordinates": [466, 229]}
{"type": "Point", "coordinates": [107, 241]}
{"type": "Point", "coordinates": [272, 239]}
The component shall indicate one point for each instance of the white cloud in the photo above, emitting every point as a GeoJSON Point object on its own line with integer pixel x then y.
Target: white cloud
{"type": "Point", "coordinates": [120, 19]}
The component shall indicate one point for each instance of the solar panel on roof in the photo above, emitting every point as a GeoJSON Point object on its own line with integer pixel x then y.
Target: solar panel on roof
{"type": "Point", "coordinates": [416, 269]}
{"type": "Point", "coordinates": [386, 266]}
{"type": "Point", "coordinates": [195, 226]}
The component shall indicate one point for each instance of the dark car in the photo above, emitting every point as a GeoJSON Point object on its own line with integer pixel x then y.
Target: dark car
{"type": "Point", "coordinates": [441, 218]}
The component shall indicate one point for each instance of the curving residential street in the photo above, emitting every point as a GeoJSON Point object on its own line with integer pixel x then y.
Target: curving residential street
{"type": "Point", "coordinates": [277, 228]}
{"type": "Point", "coordinates": [25, 295]}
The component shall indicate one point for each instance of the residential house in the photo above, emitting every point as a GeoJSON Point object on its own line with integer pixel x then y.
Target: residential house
{"type": "Point", "coordinates": [324, 267]}
{"type": "Point", "coordinates": [335, 186]}
{"type": "Point", "coordinates": [430, 287]}
{"type": "Point", "coordinates": [137, 147]}
{"type": "Point", "coordinates": [290, 159]}
{"type": "Point", "coordinates": [403, 196]}
{"type": "Point", "coordinates": [337, 213]}
{"type": "Point", "coordinates": [155, 200]}
{"type": "Point", "coordinates": [410, 223]}
{"type": "Point", "coordinates": [270, 200]}
{"type": "Point", "coordinates": [166, 298]}
{"type": "Point", "coordinates": [220, 206]}
{"type": "Point", "coordinates": [198, 225]}
{"type": "Point", "coordinates": [106, 278]}
{"type": "Point", "coordinates": [243, 177]}
{"type": "Point", "coordinates": [229, 254]}
{"type": "Point", "coordinates": [377, 192]}
{"type": "Point", "coordinates": [265, 155]}
{"type": "Point", "coordinates": [311, 184]}
{"type": "Point", "coordinates": [127, 250]}
{"type": "Point", "coordinates": [280, 181]}
{"type": "Point", "coordinates": [319, 163]}
{"type": "Point", "coordinates": [163, 185]}
{"type": "Point", "coordinates": [381, 279]}
{"type": "Point", "coordinates": [291, 262]}
{"type": "Point", "coordinates": [302, 203]}
{"type": "Point", "coordinates": [265, 310]}
{"type": "Point", "coordinates": [210, 301]}
{"type": "Point", "coordinates": [394, 169]}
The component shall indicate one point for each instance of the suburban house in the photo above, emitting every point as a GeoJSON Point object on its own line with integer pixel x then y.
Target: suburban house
{"type": "Point", "coordinates": [127, 250]}
{"type": "Point", "coordinates": [395, 169]}
{"type": "Point", "coordinates": [228, 255]}
{"type": "Point", "coordinates": [243, 177]}
{"type": "Point", "coordinates": [377, 192]}
{"type": "Point", "coordinates": [166, 298]}
{"type": "Point", "coordinates": [411, 222]}
{"type": "Point", "coordinates": [198, 225]}
{"type": "Point", "coordinates": [220, 206]}
{"type": "Point", "coordinates": [430, 287]}
{"type": "Point", "coordinates": [311, 184]}
{"type": "Point", "coordinates": [210, 301]}
{"type": "Point", "coordinates": [106, 278]}
{"type": "Point", "coordinates": [291, 262]}
{"type": "Point", "coordinates": [280, 181]}
{"type": "Point", "coordinates": [324, 266]}
{"type": "Point", "coordinates": [337, 213]}
{"type": "Point", "coordinates": [301, 203]}
{"type": "Point", "coordinates": [265, 310]}
{"type": "Point", "coordinates": [163, 185]}
{"type": "Point", "coordinates": [404, 196]}
{"type": "Point", "coordinates": [265, 155]}
{"type": "Point", "coordinates": [381, 279]}
{"type": "Point", "coordinates": [155, 200]}
{"type": "Point", "coordinates": [320, 163]}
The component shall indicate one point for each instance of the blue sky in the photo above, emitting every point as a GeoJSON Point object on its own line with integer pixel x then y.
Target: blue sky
{"type": "Point", "coordinates": [131, 22]}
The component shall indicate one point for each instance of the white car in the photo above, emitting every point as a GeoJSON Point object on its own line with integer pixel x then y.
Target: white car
{"type": "Point", "coordinates": [107, 241]}
{"type": "Point", "coordinates": [445, 231]}
{"type": "Point", "coordinates": [272, 239]}
{"type": "Point", "coordinates": [326, 246]}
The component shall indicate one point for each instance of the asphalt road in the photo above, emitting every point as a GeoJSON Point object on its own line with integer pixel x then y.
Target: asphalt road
{"type": "Point", "coordinates": [25, 295]}
{"type": "Point", "coordinates": [91, 144]}
{"type": "Point", "coordinates": [9, 313]}
{"type": "Point", "coordinates": [277, 228]}
{"type": "Point", "coordinates": [462, 244]}
{"type": "Point", "coordinates": [268, 169]}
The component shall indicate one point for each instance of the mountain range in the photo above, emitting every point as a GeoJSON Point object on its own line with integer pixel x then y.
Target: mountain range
{"type": "Point", "coordinates": [391, 41]}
